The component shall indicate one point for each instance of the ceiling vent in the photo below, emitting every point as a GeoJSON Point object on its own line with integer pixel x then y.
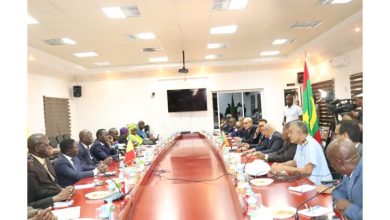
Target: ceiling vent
{"type": "Point", "coordinates": [131, 11]}
{"type": "Point", "coordinates": [305, 24]}
{"type": "Point", "coordinates": [151, 50]}
{"type": "Point", "coordinates": [61, 41]}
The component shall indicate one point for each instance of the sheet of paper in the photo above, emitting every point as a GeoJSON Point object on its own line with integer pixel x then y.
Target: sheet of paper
{"type": "Point", "coordinates": [63, 204]}
{"type": "Point", "coordinates": [67, 213]}
{"type": "Point", "coordinates": [84, 186]}
{"type": "Point", "coordinates": [302, 188]}
{"type": "Point", "coordinates": [315, 211]}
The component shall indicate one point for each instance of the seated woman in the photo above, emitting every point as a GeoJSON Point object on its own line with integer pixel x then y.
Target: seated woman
{"type": "Point", "coordinates": [133, 136]}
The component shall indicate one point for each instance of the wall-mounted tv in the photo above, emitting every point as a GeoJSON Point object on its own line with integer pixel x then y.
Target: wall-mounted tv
{"type": "Point", "coordinates": [186, 100]}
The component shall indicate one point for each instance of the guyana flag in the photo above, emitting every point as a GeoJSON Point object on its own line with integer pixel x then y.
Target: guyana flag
{"type": "Point", "coordinates": [309, 109]}
{"type": "Point", "coordinates": [130, 154]}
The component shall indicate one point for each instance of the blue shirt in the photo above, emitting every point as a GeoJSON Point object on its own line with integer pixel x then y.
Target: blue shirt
{"type": "Point", "coordinates": [311, 152]}
{"type": "Point", "coordinates": [141, 133]}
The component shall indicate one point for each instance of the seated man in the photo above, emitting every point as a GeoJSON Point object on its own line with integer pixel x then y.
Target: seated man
{"type": "Point", "coordinates": [140, 129]}
{"type": "Point", "coordinates": [309, 158]}
{"type": "Point", "coordinates": [42, 187]}
{"type": "Point", "coordinates": [249, 131]}
{"type": "Point", "coordinates": [100, 149]}
{"type": "Point", "coordinates": [40, 214]}
{"type": "Point", "coordinates": [238, 130]}
{"type": "Point", "coordinates": [273, 141]}
{"type": "Point", "coordinates": [351, 130]}
{"type": "Point", "coordinates": [84, 154]}
{"type": "Point", "coordinates": [284, 154]}
{"type": "Point", "coordinates": [68, 166]}
{"type": "Point", "coordinates": [348, 196]}
{"type": "Point", "coordinates": [113, 136]}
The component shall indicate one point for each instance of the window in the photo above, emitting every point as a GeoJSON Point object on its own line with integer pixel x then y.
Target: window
{"type": "Point", "coordinates": [356, 82]}
{"type": "Point", "coordinates": [325, 117]}
{"type": "Point", "coordinates": [57, 116]}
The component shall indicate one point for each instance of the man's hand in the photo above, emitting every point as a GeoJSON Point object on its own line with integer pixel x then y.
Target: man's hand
{"type": "Point", "coordinates": [277, 168]}
{"type": "Point", "coordinates": [102, 168]}
{"type": "Point", "coordinates": [238, 139]}
{"type": "Point", "coordinates": [65, 193]}
{"type": "Point", "coordinates": [44, 214]}
{"type": "Point", "coordinates": [107, 161]}
{"type": "Point", "coordinates": [247, 152]}
{"type": "Point", "coordinates": [260, 155]}
{"type": "Point", "coordinates": [342, 205]}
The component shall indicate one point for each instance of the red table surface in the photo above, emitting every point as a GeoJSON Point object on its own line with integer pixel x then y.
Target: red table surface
{"type": "Point", "coordinates": [190, 157]}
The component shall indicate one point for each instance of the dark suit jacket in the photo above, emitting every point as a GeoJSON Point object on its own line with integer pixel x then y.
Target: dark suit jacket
{"type": "Point", "coordinates": [68, 174]}
{"type": "Point", "coordinates": [101, 151]}
{"type": "Point", "coordinates": [40, 186]}
{"type": "Point", "coordinates": [248, 135]}
{"type": "Point", "coordinates": [351, 188]}
{"type": "Point", "coordinates": [273, 144]}
{"type": "Point", "coordinates": [85, 156]}
{"type": "Point", "coordinates": [284, 154]}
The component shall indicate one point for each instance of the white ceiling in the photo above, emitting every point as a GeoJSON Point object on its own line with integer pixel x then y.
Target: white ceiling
{"type": "Point", "coordinates": [185, 24]}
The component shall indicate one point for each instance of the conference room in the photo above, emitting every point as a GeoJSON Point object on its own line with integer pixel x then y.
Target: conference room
{"type": "Point", "coordinates": [162, 97]}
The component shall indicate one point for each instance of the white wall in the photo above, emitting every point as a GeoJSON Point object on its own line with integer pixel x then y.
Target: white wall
{"type": "Point", "coordinates": [115, 103]}
{"type": "Point", "coordinates": [119, 102]}
{"type": "Point", "coordinates": [39, 86]}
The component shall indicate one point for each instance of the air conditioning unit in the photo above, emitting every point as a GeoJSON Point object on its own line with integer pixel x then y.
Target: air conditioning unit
{"type": "Point", "coordinates": [339, 62]}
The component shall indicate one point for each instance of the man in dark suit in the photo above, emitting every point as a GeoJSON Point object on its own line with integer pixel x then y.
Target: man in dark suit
{"type": "Point", "coordinates": [43, 189]}
{"type": "Point", "coordinates": [284, 154]}
{"type": "Point", "coordinates": [249, 132]}
{"type": "Point", "coordinates": [345, 159]}
{"type": "Point", "coordinates": [84, 154]}
{"type": "Point", "coordinates": [100, 149]}
{"type": "Point", "coordinates": [272, 143]}
{"type": "Point", "coordinates": [68, 166]}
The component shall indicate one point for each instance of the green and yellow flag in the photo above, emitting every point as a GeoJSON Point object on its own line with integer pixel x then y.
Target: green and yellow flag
{"type": "Point", "coordinates": [224, 141]}
{"type": "Point", "coordinates": [309, 109]}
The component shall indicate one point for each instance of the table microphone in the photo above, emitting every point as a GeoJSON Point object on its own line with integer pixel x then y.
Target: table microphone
{"type": "Point", "coordinates": [243, 169]}
{"type": "Point", "coordinates": [315, 195]}
{"type": "Point", "coordinates": [116, 195]}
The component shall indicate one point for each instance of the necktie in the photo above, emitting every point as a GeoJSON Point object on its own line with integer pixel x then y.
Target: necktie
{"type": "Point", "coordinates": [47, 170]}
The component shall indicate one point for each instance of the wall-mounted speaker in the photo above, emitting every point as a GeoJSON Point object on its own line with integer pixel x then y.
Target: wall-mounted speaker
{"type": "Point", "coordinates": [300, 77]}
{"type": "Point", "coordinates": [76, 91]}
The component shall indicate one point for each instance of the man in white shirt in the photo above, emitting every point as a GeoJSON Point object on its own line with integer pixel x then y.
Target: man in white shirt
{"type": "Point", "coordinates": [292, 112]}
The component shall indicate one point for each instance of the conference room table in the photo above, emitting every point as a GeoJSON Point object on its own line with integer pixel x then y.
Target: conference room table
{"type": "Point", "coordinates": [188, 179]}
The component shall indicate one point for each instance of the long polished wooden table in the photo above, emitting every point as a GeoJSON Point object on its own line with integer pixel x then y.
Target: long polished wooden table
{"type": "Point", "coordinates": [168, 188]}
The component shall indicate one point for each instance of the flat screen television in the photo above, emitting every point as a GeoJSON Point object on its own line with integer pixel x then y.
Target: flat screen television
{"type": "Point", "coordinates": [186, 100]}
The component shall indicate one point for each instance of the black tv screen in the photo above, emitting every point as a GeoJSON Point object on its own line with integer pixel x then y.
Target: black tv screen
{"type": "Point", "coordinates": [185, 100]}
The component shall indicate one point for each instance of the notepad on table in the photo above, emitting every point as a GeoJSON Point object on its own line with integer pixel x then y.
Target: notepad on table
{"type": "Point", "coordinates": [302, 188]}
{"type": "Point", "coordinates": [67, 213]}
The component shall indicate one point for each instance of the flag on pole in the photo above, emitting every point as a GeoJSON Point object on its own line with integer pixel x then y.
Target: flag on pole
{"type": "Point", "coordinates": [130, 154]}
{"type": "Point", "coordinates": [224, 141]}
{"type": "Point", "coordinates": [309, 109]}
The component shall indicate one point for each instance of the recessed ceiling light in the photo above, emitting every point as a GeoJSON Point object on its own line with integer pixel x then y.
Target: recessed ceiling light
{"type": "Point", "coordinates": [305, 24]}
{"type": "Point", "coordinates": [357, 29]}
{"type": "Point", "coordinates": [327, 2]}
{"type": "Point", "coordinates": [142, 36]}
{"type": "Point", "coordinates": [217, 45]}
{"type": "Point", "coordinates": [229, 29]}
{"type": "Point", "coordinates": [131, 11]}
{"type": "Point", "coordinates": [212, 56]}
{"type": "Point", "coordinates": [68, 41]}
{"type": "Point", "coordinates": [223, 5]}
{"type": "Point", "coordinates": [103, 63]}
{"type": "Point", "coordinates": [158, 59]}
{"type": "Point", "coordinates": [31, 58]}
{"type": "Point", "coordinates": [282, 41]}
{"type": "Point", "coordinates": [31, 20]}
{"type": "Point", "coordinates": [114, 12]}
{"type": "Point", "coordinates": [86, 54]}
{"type": "Point", "coordinates": [269, 53]}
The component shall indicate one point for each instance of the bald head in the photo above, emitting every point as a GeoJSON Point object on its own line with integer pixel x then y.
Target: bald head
{"type": "Point", "coordinates": [248, 123]}
{"type": "Point", "coordinates": [38, 144]}
{"type": "Point", "coordinates": [269, 129]}
{"type": "Point", "coordinates": [86, 137]}
{"type": "Point", "coordinates": [343, 155]}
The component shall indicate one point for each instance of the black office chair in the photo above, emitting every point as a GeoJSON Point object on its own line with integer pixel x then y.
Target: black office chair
{"type": "Point", "coordinates": [60, 138]}
{"type": "Point", "coordinates": [53, 142]}
{"type": "Point", "coordinates": [66, 136]}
